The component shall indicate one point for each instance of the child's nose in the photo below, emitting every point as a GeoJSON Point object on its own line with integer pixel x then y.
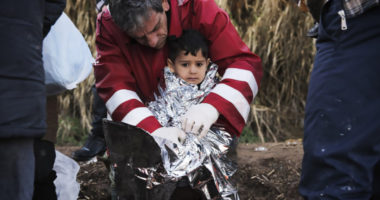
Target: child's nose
{"type": "Point", "coordinates": [193, 69]}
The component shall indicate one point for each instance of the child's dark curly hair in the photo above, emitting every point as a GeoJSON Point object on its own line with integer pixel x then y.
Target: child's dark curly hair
{"type": "Point", "coordinates": [191, 41]}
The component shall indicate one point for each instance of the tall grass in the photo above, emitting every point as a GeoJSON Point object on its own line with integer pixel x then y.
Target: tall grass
{"type": "Point", "coordinates": [276, 31]}
{"type": "Point", "coordinates": [76, 105]}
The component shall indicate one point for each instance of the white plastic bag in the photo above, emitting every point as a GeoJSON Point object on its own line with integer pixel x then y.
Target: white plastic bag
{"type": "Point", "coordinates": [67, 187]}
{"type": "Point", "coordinates": [66, 56]}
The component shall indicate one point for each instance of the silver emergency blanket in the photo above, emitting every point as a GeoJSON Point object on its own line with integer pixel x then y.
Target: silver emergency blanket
{"type": "Point", "coordinates": [196, 155]}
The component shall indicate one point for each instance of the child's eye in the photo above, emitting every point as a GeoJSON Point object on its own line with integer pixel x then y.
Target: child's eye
{"type": "Point", "coordinates": [185, 64]}
{"type": "Point", "coordinates": [199, 64]}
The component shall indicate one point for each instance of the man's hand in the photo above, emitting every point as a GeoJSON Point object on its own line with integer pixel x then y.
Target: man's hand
{"type": "Point", "coordinates": [173, 134]}
{"type": "Point", "coordinates": [199, 119]}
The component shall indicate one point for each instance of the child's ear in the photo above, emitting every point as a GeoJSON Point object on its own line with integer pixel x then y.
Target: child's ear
{"type": "Point", "coordinates": [171, 65]}
{"type": "Point", "coordinates": [208, 61]}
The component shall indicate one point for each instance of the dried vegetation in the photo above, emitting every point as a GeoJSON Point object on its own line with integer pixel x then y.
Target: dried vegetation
{"type": "Point", "coordinates": [78, 102]}
{"type": "Point", "coordinates": [276, 31]}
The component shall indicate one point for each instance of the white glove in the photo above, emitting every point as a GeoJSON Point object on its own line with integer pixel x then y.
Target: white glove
{"type": "Point", "coordinates": [173, 134]}
{"type": "Point", "coordinates": [199, 119]}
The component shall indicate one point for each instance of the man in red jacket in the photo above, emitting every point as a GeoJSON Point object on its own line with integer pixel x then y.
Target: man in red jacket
{"type": "Point", "coordinates": [131, 45]}
{"type": "Point", "coordinates": [132, 52]}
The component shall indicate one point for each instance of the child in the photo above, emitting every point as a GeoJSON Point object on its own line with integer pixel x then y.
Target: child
{"type": "Point", "coordinates": [190, 77]}
{"type": "Point", "coordinates": [198, 163]}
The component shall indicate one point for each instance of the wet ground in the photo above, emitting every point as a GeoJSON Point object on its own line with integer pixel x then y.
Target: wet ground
{"type": "Point", "coordinates": [266, 172]}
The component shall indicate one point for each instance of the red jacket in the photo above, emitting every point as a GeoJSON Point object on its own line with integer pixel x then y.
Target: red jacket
{"type": "Point", "coordinates": [127, 73]}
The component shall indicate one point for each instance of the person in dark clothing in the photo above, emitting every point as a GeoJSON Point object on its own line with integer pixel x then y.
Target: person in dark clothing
{"type": "Point", "coordinates": [44, 150]}
{"type": "Point", "coordinates": [95, 143]}
{"type": "Point", "coordinates": [23, 24]}
{"type": "Point", "coordinates": [342, 124]}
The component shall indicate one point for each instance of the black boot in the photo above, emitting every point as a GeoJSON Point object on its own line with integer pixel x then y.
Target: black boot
{"type": "Point", "coordinates": [95, 143]}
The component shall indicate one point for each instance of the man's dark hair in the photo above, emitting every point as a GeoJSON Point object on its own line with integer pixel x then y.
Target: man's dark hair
{"type": "Point", "coordinates": [191, 41]}
{"type": "Point", "coordinates": [130, 15]}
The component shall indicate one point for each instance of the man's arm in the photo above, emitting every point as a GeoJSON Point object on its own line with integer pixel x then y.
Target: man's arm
{"type": "Point", "coordinates": [241, 69]}
{"type": "Point", "coordinates": [116, 85]}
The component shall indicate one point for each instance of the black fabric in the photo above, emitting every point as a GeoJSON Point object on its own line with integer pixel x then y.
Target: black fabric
{"type": "Point", "coordinates": [129, 187]}
{"type": "Point", "coordinates": [22, 88]}
{"type": "Point", "coordinates": [44, 188]}
{"type": "Point", "coordinates": [315, 7]}
{"type": "Point", "coordinates": [16, 169]}
{"type": "Point", "coordinates": [128, 143]}
{"type": "Point", "coordinates": [53, 9]}
{"type": "Point", "coordinates": [130, 148]}
{"type": "Point", "coordinates": [187, 193]}
{"type": "Point", "coordinates": [99, 112]}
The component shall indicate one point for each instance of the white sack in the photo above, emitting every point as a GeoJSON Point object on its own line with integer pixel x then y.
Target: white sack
{"type": "Point", "coordinates": [67, 187]}
{"type": "Point", "coordinates": [66, 56]}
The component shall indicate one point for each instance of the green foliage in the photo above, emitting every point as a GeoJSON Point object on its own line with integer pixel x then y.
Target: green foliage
{"type": "Point", "coordinates": [248, 136]}
{"type": "Point", "coordinates": [70, 131]}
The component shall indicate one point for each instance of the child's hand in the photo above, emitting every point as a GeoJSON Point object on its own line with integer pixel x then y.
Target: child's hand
{"type": "Point", "coordinates": [173, 134]}
{"type": "Point", "coordinates": [199, 119]}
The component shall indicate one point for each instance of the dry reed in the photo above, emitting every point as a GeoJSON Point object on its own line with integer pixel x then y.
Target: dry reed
{"type": "Point", "coordinates": [276, 31]}
{"type": "Point", "coordinates": [78, 102]}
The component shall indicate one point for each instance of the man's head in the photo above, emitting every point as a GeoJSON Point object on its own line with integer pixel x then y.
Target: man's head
{"type": "Point", "coordinates": [143, 20]}
{"type": "Point", "coordinates": [188, 56]}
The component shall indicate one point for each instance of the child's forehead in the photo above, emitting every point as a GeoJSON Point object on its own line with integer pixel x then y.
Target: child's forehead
{"type": "Point", "coordinates": [198, 53]}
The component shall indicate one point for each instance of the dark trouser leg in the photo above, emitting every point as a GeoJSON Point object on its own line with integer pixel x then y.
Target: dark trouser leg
{"type": "Point", "coordinates": [342, 123]}
{"type": "Point", "coordinates": [99, 112]}
{"type": "Point", "coordinates": [44, 187]}
{"type": "Point", "coordinates": [376, 181]}
{"type": "Point", "coordinates": [16, 169]}
{"type": "Point", "coordinates": [95, 143]}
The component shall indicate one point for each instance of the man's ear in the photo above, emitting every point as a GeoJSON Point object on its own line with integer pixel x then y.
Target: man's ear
{"type": "Point", "coordinates": [171, 65]}
{"type": "Point", "coordinates": [165, 5]}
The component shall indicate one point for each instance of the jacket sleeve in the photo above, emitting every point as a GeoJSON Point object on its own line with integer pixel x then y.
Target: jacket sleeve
{"type": "Point", "coordinates": [240, 69]}
{"type": "Point", "coordinates": [53, 10]}
{"type": "Point", "coordinates": [116, 85]}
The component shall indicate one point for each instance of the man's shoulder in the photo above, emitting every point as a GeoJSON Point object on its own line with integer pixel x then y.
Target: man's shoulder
{"type": "Point", "coordinates": [106, 26]}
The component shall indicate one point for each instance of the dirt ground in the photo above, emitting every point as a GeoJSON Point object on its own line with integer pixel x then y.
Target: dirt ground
{"type": "Point", "coordinates": [266, 172]}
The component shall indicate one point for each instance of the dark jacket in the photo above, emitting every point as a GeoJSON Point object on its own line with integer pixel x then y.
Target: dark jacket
{"type": "Point", "coordinates": [22, 89]}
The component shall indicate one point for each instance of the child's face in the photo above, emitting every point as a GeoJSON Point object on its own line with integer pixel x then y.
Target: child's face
{"type": "Point", "coordinates": [190, 68]}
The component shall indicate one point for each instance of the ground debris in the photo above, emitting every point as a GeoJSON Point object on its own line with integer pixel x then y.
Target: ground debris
{"type": "Point", "coordinates": [265, 175]}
